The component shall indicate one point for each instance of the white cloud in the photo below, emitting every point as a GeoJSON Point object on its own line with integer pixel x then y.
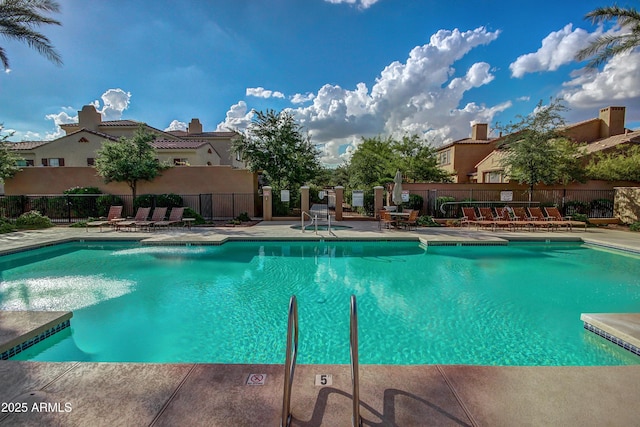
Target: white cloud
{"type": "Point", "coordinates": [419, 96]}
{"type": "Point", "coordinates": [176, 125]}
{"type": "Point", "coordinates": [617, 83]}
{"type": "Point", "coordinates": [60, 118]}
{"type": "Point", "coordinates": [238, 118]}
{"type": "Point", "coordinates": [523, 98]}
{"type": "Point", "coordinates": [115, 101]}
{"type": "Point", "coordinates": [558, 48]}
{"type": "Point", "coordinates": [261, 92]}
{"type": "Point", "coordinates": [363, 4]}
{"type": "Point", "coordinates": [299, 98]}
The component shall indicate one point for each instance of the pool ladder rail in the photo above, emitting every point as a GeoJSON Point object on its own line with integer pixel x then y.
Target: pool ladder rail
{"type": "Point", "coordinates": [290, 361]}
{"type": "Point", "coordinates": [314, 222]}
{"type": "Point", "coordinates": [292, 352]}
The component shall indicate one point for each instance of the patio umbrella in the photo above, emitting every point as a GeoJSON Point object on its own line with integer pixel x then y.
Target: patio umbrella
{"type": "Point", "coordinates": [396, 195]}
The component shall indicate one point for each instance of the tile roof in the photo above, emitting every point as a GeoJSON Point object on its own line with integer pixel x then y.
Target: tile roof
{"type": "Point", "coordinates": [210, 135]}
{"type": "Point", "coordinates": [100, 134]}
{"type": "Point", "coordinates": [26, 145]}
{"type": "Point", "coordinates": [466, 141]}
{"type": "Point", "coordinates": [107, 123]}
{"type": "Point", "coordinates": [613, 141]}
{"type": "Point", "coordinates": [177, 144]}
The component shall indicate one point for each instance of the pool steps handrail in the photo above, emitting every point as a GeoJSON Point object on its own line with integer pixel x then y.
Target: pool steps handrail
{"type": "Point", "coordinates": [292, 353]}
{"type": "Point", "coordinates": [290, 361]}
{"type": "Point", "coordinates": [314, 222]}
{"type": "Point", "coordinates": [356, 420]}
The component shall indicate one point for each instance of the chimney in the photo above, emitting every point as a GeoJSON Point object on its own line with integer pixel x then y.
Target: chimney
{"type": "Point", "coordinates": [479, 132]}
{"type": "Point", "coordinates": [194, 126]}
{"type": "Point", "coordinates": [611, 121]}
{"type": "Point", "coordinates": [89, 118]}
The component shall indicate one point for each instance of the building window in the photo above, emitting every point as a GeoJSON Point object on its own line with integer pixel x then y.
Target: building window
{"type": "Point", "coordinates": [54, 162]}
{"type": "Point", "coordinates": [91, 161]}
{"type": "Point", "coordinates": [444, 158]}
{"type": "Point", "coordinates": [24, 163]}
{"type": "Point", "coordinates": [83, 139]}
{"type": "Point", "coordinates": [180, 162]}
{"type": "Point", "coordinates": [493, 177]}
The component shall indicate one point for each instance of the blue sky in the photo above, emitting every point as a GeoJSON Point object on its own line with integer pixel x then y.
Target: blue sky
{"type": "Point", "coordinates": [346, 68]}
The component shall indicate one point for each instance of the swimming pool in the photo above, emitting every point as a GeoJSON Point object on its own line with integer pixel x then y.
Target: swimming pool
{"type": "Point", "coordinates": [499, 305]}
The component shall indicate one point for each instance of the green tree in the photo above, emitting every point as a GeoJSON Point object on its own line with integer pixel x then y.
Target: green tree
{"type": "Point", "coordinates": [607, 46]}
{"type": "Point", "coordinates": [8, 160]}
{"type": "Point", "coordinates": [535, 150]}
{"type": "Point", "coordinates": [277, 145]}
{"type": "Point", "coordinates": [417, 160]}
{"type": "Point", "coordinates": [620, 165]}
{"type": "Point", "coordinates": [19, 20]}
{"type": "Point", "coordinates": [372, 163]}
{"type": "Point", "coordinates": [129, 160]}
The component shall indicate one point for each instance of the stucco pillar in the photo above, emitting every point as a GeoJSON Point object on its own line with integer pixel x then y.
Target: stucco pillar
{"type": "Point", "coordinates": [304, 199]}
{"type": "Point", "coordinates": [267, 203]}
{"type": "Point", "coordinates": [377, 199]}
{"type": "Point", "coordinates": [339, 198]}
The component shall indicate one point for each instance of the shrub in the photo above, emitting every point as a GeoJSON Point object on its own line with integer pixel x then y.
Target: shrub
{"type": "Point", "coordinates": [161, 200]}
{"type": "Point", "coordinates": [580, 217]}
{"type": "Point", "coordinates": [415, 202]}
{"type": "Point", "coordinates": [602, 207]}
{"type": "Point", "coordinates": [190, 213]}
{"type": "Point", "coordinates": [33, 220]}
{"type": "Point", "coordinates": [576, 207]}
{"type": "Point", "coordinates": [635, 226]}
{"type": "Point", "coordinates": [6, 226]}
{"type": "Point", "coordinates": [12, 206]}
{"type": "Point", "coordinates": [53, 207]}
{"type": "Point", "coordinates": [104, 202]}
{"type": "Point", "coordinates": [427, 221]}
{"type": "Point", "coordinates": [83, 206]}
{"type": "Point", "coordinates": [244, 217]}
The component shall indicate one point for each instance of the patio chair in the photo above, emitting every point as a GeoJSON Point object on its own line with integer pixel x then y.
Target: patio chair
{"type": "Point", "coordinates": [411, 221]}
{"type": "Point", "coordinates": [386, 220]}
{"type": "Point", "coordinates": [530, 222]}
{"type": "Point", "coordinates": [141, 215]}
{"type": "Point", "coordinates": [554, 213]}
{"type": "Point", "coordinates": [175, 217]}
{"type": "Point", "coordinates": [157, 216]}
{"type": "Point", "coordinates": [488, 215]}
{"type": "Point", "coordinates": [469, 217]}
{"type": "Point", "coordinates": [113, 216]}
{"type": "Point", "coordinates": [536, 212]}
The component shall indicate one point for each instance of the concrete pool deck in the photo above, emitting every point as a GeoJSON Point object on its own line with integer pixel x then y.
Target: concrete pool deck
{"type": "Point", "coordinates": [218, 395]}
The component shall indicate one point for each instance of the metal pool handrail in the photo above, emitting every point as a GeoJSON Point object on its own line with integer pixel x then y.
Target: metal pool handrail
{"type": "Point", "coordinates": [355, 378]}
{"type": "Point", "coordinates": [290, 361]}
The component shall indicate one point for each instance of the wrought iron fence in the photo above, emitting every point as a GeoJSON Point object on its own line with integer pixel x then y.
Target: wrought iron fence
{"type": "Point", "coordinates": [446, 203]}
{"type": "Point", "coordinates": [68, 208]}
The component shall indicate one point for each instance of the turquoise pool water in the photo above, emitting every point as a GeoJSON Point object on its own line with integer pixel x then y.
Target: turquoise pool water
{"type": "Point", "coordinates": [501, 305]}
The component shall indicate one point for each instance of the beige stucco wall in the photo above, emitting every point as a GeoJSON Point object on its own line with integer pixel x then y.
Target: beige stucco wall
{"type": "Point", "coordinates": [626, 204]}
{"type": "Point", "coordinates": [179, 180]}
{"type": "Point", "coordinates": [197, 157]}
{"type": "Point", "coordinates": [489, 164]}
{"type": "Point", "coordinates": [69, 148]}
{"type": "Point", "coordinates": [467, 156]}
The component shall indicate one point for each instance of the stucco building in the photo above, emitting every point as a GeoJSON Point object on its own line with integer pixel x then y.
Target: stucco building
{"type": "Point", "coordinates": [79, 146]}
{"type": "Point", "coordinates": [459, 158]}
{"type": "Point", "coordinates": [601, 134]}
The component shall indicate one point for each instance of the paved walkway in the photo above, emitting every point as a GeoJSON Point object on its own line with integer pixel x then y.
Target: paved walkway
{"type": "Point", "coordinates": [80, 394]}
